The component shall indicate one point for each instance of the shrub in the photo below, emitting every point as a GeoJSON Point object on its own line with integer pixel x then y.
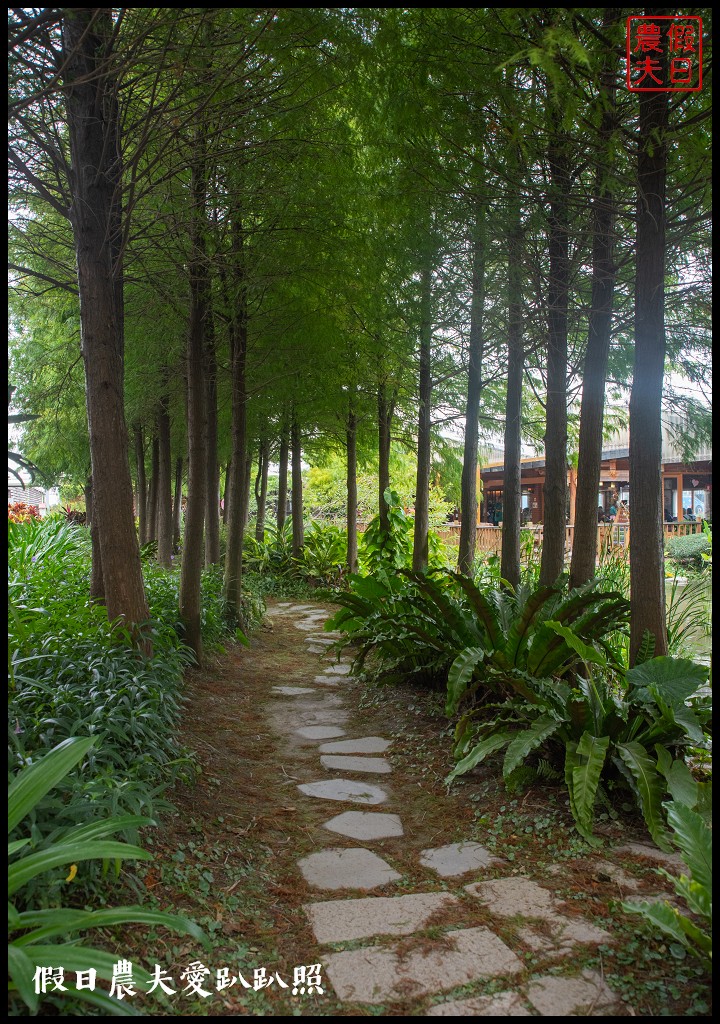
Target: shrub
{"type": "Point", "coordinates": [689, 550]}
{"type": "Point", "coordinates": [20, 512]}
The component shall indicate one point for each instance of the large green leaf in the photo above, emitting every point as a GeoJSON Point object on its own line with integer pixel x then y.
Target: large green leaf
{"type": "Point", "coordinates": [524, 742]}
{"type": "Point", "coordinates": [460, 674]}
{"type": "Point", "coordinates": [482, 608]}
{"type": "Point", "coordinates": [649, 788]}
{"type": "Point", "coordinates": [479, 752]}
{"type": "Point", "coordinates": [676, 679]}
{"type": "Point", "coordinates": [22, 972]}
{"type": "Point", "coordinates": [674, 924]}
{"type": "Point", "coordinates": [585, 777]}
{"type": "Point", "coordinates": [694, 839]}
{"type": "Point", "coordinates": [679, 779]}
{"type": "Point", "coordinates": [583, 650]}
{"type": "Point", "coordinates": [28, 867]}
{"type": "Point", "coordinates": [517, 638]}
{"type": "Point", "coordinates": [33, 782]}
{"type": "Point", "coordinates": [104, 827]}
{"type": "Point", "coordinates": [47, 924]}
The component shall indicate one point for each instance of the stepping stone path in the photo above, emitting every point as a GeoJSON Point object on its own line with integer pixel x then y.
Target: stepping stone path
{"type": "Point", "coordinates": [439, 953]}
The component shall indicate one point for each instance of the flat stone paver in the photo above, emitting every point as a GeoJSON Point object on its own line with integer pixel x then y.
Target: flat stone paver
{"type": "Point", "coordinates": [457, 859]}
{"type": "Point", "coordinates": [519, 896]}
{"type": "Point", "coordinates": [346, 869]}
{"type": "Point", "coordinates": [345, 920]}
{"type": "Point", "coordinates": [325, 641]}
{"type": "Point", "coordinates": [364, 745]}
{"type": "Point", "coordinates": [343, 669]}
{"type": "Point", "coordinates": [323, 717]}
{"type": "Point", "coordinates": [319, 732]}
{"type": "Point", "coordinates": [365, 825]}
{"type": "Point", "coordinates": [315, 649]}
{"type": "Point", "coordinates": [584, 996]}
{"type": "Point", "coordinates": [376, 765]}
{"type": "Point", "coordinates": [329, 680]}
{"type": "Point", "coordinates": [293, 691]}
{"type": "Point", "coordinates": [671, 860]}
{"type": "Point", "coordinates": [504, 1004]}
{"type": "Point", "coordinates": [344, 789]}
{"type": "Point", "coordinates": [378, 975]}
{"type": "Point", "coordinates": [306, 626]}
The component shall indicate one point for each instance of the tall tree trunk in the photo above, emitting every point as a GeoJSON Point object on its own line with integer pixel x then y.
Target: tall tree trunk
{"type": "Point", "coordinates": [386, 408]}
{"type": "Point", "coordinates": [247, 478]}
{"type": "Point", "coordinates": [556, 461]}
{"type": "Point", "coordinates": [512, 490]}
{"type": "Point", "coordinates": [152, 502]}
{"type": "Point", "coordinates": [141, 484]}
{"type": "Point", "coordinates": [212, 511]}
{"type": "Point", "coordinates": [351, 443]}
{"type": "Point", "coordinates": [192, 555]}
{"type": "Point", "coordinates": [97, 583]}
{"type": "Point", "coordinates": [232, 583]}
{"type": "Point", "coordinates": [95, 181]}
{"type": "Point", "coordinates": [177, 505]}
{"type": "Point", "coordinates": [647, 571]}
{"type": "Point", "coordinates": [298, 533]}
{"type": "Point", "coordinates": [592, 406]}
{"type": "Point", "coordinates": [164, 486]}
{"type": "Point", "coordinates": [468, 484]}
{"type": "Point", "coordinates": [422, 481]}
{"type": "Point", "coordinates": [283, 479]}
{"type": "Point", "coordinates": [261, 485]}
{"type": "Point", "coordinates": [226, 494]}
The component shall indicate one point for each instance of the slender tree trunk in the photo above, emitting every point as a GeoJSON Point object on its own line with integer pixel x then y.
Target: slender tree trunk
{"type": "Point", "coordinates": [298, 532]}
{"type": "Point", "coordinates": [212, 511]}
{"type": "Point", "coordinates": [647, 571]}
{"type": "Point", "coordinates": [247, 478]}
{"type": "Point", "coordinates": [97, 583]}
{"type": "Point", "coordinates": [192, 554]}
{"type": "Point", "coordinates": [556, 463]}
{"type": "Point", "coordinates": [352, 537]}
{"type": "Point", "coordinates": [422, 481]}
{"type": "Point", "coordinates": [177, 505]}
{"type": "Point", "coordinates": [141, 484]}
{"type": "Point", "coordinates": [226, 494]}
{"type": "Point", "coordinates": [283, 480]}
{"type": "Point", "coordinates": [152, 498]}
{"type": "Point", "coordinates": [95, 181]}
{"type": "Point", "coordinates": [592, 406]}
{"type": "Point", "coordinates": [164, 486]}
{"type": "Point", "coordinates": [235, 514]}
{"type": "Point", "coordinates": [512, 489]}
{"type": "Point", "coordinates": [386, 408]}
{"type": "Point", "coordinates": [261, 485]}
{"type": "Point", "coordinates": [468, 484]}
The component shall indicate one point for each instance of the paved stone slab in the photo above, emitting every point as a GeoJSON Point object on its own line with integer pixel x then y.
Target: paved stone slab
{"type": "Point", "coordinates": [319, 732]}
{"type": "Point", "coordinates": [671, 860]}
{"type": "Point", "coordinates": [346, 790]}
{"type": "Point", "coordinates": [301, 607]}
{"type": "Point", "coordinates": [292, 691]}
{"type": "Point", "coordinates": [329, 680]}
{"type": "Point", "coordinates": [306, 625]}
{"type": "Point", "coordinates": [519, 896]}
{"type": "Point", "coordinates": [364, 745]}
{"type": "Point", "coordinates": [365, 825]}
{"type": "Point", "coordinates": [323, 717]}
{"type": "Point", "coordinates": [346, 869]}
{"type": "Point", "coordinates": [377, 975]}
{"type": "Point", "coordinates": [315, 649]}
{"type": "Point", "coordinates": [457, 859]}
{"type": "Point", "coordinates": [324, 640]}
{"type": "Point", "coordinates": [376, 765]}
{"type": "Point", "coordinates": [345, 920]}
{"type": "Point", "coordinates": [584, 996]}
{"type": "Point", "coordinates": [343, 669]}
{"type": "Point", "coordinates": [504, 1004]}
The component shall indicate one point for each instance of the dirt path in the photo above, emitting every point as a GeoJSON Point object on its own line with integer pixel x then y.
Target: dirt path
{"type": "Point", "coordinates": [320, 833]}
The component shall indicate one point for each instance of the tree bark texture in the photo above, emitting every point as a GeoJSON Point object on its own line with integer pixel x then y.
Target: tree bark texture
{"type": "Point", "coordinates": [212, 511]}
{"type": "Point", "coordinates": [512, 490]}
{"type": "Point", "coordinates": [177, 505]}
{"type": "Point", "coordinates": [283, 480]}
{"type": "Point", "coordinates": [468, 483]}
{"type": "Point", "coordinates": [235, 514]}
{"type": "Point", "coordinates": [192, 556]}
{"type": "Point", "coordinates": [261, 485]}
{"type": "Point", "coordinates": [141, 484]}
{"type": "Point", "coordinates": [97, 583]}
{"type": "Point", "coordinates": [351, 477]}
{"type": "Point", "coordinates": [298, 530]}
{"type": "Point", "coordinates": [592, 406]}
{"type": "Point", "coordinates": [556, 464]}
{"type": "Point", "coordinates": [422, 480]}
{"type": "Point", "coordinates": [152, 491]}
{"type": "Point", "coordinates": [164, 486]}
{"type": "Point", "coordinates": [647, 569]}
{"type": "Point", "coordinates": [95, 181]}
